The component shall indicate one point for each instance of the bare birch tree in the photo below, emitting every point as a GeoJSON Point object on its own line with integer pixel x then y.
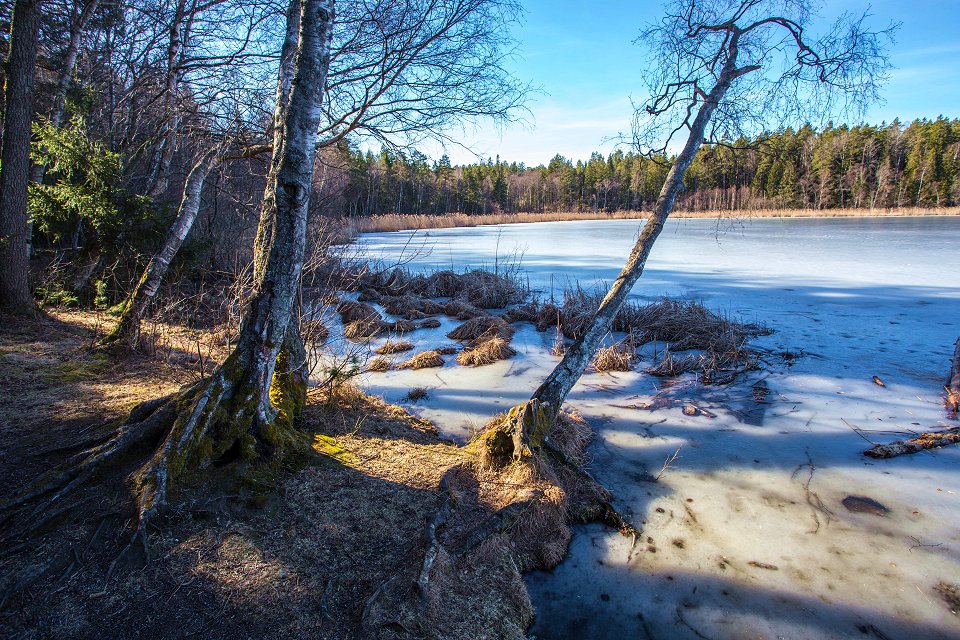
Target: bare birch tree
{"type": "Point", "coordinates": [399, 72]}
{"type": "Point", "coordinates": [720, 69]}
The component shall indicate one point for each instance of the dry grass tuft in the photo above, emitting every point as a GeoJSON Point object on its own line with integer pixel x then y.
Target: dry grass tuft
{"type": "Point", "coordinates": [400, 326]}
{"type": "Point", "coordinates": [351, 312]}
{"type": "Point", "coordinates": [559, 348]}
{"type": "Point", "coordinates": [390, 347]}
{"type": "Point", "coordinates": [669, 366]}
{"type": "Point", "coordinates": [424, 360]}
{"type": "Point", "coordinates": [463, 310]}
{"type": "Point", "coordinates": [417, 393]}
{"type": "Point", "coordinates": [430, 323]}
{"type": "Point", "coordinates": [486, 352]}
{"type": "Point", "coordinates": [617, 357]}
{"type": "Point", "coordinates": [687, 324]}
{"type": "Point", "coordinates": [447, 350]}
{"type": "Point", "coordinates": [411, 307]}
{"type": "Point", "coordinates": [379, 364]}
{"type": "Point", "coordinates": [484, 326]}
{"type": "Point", "coordinates": [363, 330]}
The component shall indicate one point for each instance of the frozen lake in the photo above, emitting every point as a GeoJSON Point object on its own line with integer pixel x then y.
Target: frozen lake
{"type": "Point", "coordinates": [747, 534]}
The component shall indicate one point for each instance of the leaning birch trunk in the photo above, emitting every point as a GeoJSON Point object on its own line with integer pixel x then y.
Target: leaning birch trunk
{"type": "Point", "coordinates": [15, 293]}
{"type": "Point", "coordinates": [247, 409]}
{"type": "Point", "coordinates": [530, 422]}
{"type": "Point", "coordinates": [127, 329]}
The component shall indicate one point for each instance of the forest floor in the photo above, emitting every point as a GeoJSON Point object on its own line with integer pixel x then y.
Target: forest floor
{"type": "Point", "coordinates": [407, 222]}
{"type": "Point", "coordinates": [328, 547]}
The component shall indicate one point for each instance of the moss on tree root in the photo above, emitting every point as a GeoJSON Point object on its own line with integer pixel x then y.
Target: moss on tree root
{"type": "Point", "coordinates": [221, 422]}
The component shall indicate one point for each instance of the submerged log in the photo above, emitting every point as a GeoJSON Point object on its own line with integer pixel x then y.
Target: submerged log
{"type": "Point", "coordinates": [923, 441]}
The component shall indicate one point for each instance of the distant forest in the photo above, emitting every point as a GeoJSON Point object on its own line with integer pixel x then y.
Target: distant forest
{"type": "Point", "coordinates": [890, 165]}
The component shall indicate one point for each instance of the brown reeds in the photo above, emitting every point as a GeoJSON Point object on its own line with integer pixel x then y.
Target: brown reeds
{"type": "Point", "coordinates": [408, 295]}
{"type": "Point", "coordinates": [406, 221]}
{"type": "Point", "coordinates": [487, 351]}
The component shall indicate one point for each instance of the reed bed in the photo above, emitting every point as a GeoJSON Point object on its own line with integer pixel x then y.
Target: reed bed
{"type": "Point", "coordinates": [405, 222]}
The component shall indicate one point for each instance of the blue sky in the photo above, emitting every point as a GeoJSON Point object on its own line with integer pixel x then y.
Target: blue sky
{"type": "Point", "coordinates": [581, 53]}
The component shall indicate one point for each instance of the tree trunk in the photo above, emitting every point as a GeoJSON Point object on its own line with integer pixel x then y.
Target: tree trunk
{"type": "Point", "coordinates": [548, 398]}
{"type": "Point", "coordinates": [15, 158]}
{"type": "Point", "coordinates": [250, 403]}
{"type": "Point", "coordinates": [128, 328]}
{"type": "Point", "coordinates": [163, 156]}
{"type": "Point", "coordinates": [288, 52]}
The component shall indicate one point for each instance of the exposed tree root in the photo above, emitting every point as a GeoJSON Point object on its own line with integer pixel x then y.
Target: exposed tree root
{"type": "Point", "coordinates": [439, 520]}
{"type": "Point", "coordinates": [525, 434]}
{"type": "Point", "coordinates": [222, 419]}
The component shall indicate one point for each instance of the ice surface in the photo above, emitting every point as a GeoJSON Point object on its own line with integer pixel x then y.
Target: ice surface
{"type": "Point", "coordinates": [745, 534]}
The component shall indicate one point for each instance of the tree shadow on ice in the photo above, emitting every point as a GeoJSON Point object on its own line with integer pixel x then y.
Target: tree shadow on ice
{"type": "Point", "coordinates": [684, 606]}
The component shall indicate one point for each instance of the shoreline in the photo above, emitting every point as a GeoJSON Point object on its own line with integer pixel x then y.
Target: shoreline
{"type": "Point", "coordinates": [412, 222]}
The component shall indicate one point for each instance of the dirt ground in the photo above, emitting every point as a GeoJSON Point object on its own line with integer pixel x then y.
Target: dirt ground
{"type": "Point", "coordinates": [385, 531]}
